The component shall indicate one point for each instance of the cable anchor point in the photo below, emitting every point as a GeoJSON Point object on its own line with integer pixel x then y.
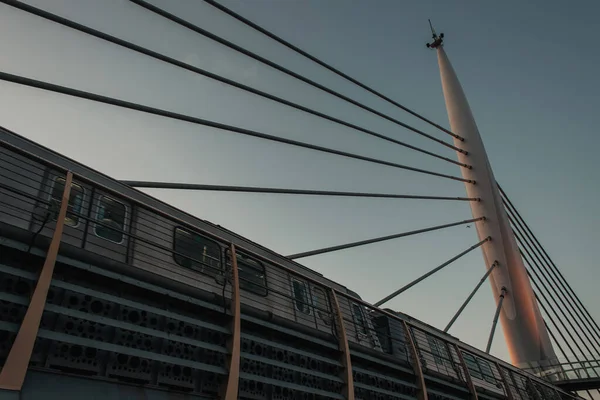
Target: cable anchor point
{"type": "Point", "coordinates": [438, 40]}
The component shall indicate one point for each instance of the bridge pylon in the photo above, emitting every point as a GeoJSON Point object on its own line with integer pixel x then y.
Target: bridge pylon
{"type": "Point", "coordinates": [522, 323]}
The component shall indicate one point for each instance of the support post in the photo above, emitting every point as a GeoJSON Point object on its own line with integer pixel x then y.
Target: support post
{"type": "Point", "coordinates": [344, 348]}
{"type": "Point", "coordinates": [509, 395]}
{"type": "Point", "coordinates": [468, 378]}
{"type": "Point", "coordinates": [233, 379]}
{"type": "Point", "coordinates": [15, 368]}
{"type": "Point", "coordinates": [422, 389]}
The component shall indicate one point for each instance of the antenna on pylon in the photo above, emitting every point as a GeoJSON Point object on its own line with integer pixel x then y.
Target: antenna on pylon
{"type": "Point", "coordinates": [437, 40]}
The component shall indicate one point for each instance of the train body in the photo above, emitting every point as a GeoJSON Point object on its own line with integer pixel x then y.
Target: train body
{"type": "Point", "coordinates": [138, 305]}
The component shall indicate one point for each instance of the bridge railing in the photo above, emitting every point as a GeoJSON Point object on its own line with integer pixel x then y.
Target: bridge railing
{"type": "Point", "coordinates": [567, 370]}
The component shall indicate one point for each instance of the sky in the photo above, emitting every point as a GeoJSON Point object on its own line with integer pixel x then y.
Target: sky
{"type": "Point", "coordinates": [528, 69]}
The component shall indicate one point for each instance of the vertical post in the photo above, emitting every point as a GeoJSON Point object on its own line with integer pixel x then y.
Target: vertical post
{"type": "Point", "coordinates": [468, 378]}
{"type": "Point", "coordinates": [344, 348]}
{"type": "Point", "coordinates": [509, 394]}
{"type": "Point", "coordinates": [422, 394]}
{"type": "Point", "coordinates": [15, 367]}
{"type": "Point", "coordinates": [233, 379]}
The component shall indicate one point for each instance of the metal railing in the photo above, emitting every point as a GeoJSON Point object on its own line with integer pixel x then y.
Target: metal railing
{"type": "Point", "coordinates": [567, 370]}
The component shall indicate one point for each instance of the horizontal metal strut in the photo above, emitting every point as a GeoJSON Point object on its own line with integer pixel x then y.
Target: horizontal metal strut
{"type": "Point", "coordinates": [180, 64]}
{"type": "Point", "coordinates": [251, 189]}
{"type": "Point", "coordinates": [433, 271]}
{"type": "Point", "coordinates": [379, 239]}
{"type": "Point", "coordinates": [325, 65]}
{"type": "Point", "coordinates": [280, 68]}
{"type": "Point", "coordinates": [21, 80]}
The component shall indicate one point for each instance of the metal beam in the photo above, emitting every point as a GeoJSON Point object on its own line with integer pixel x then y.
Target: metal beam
{"type": "Point", "coordinates": [348, 377]}
{"type": "Point", "coordinates": [468, 378]}
{"type": "Point", "coordinates": [379, 239]}
{"type": "Point", "coordinates": [433, 271]}
{"type": "Point", "coordinates": [253, 189]}
{"type": "Point", "coordinates": [233, 379]}
{"type": "Point", "coordinates": [496, 315]}
{"type": "Point", "coordinates": [417, 368]}
{"type": "Point", "coordinates": [462, 307]}
{"type": "Point", "coordinates": [15, 368]}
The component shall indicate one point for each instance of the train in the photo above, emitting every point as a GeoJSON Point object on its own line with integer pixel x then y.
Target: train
{"type": "Point", "coordinates": [140, 294]}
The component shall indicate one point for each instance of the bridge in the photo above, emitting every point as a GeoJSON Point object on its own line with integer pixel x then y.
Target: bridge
{"type": "Point", "coordinates": [557, 339]}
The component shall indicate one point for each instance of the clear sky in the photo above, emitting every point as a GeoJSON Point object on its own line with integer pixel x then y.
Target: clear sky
{"type": "Point", "coordinates": [529, 70]}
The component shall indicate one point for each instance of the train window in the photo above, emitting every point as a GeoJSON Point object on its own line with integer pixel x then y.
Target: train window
{"type": "Point", "coordinates": [472, 365]}
{"type": "Point", "coordinates": [75, 201]}
{"type": "Point", "coordinates": [111, 214]}
{"type": "Point", "coordinates": [197, 252]}
{"type": "Point", "coordinates": [479, 368]}
{"type": "Point", "coordinates": [359, 318]}
{"type": "Point", "coordinates": [321, 304]}
{"type": "Point", "coordinates": [251, 275]}
{"type": "Point", "coordinates": [438, 350]}
{"type": "Point", "coordinates": [486, 371]}
{"type": "Point", "coordinates": [301, 296]}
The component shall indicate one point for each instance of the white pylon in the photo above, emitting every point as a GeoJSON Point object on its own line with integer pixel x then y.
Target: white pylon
{"type": "Point", "coordinates": [524, 330]}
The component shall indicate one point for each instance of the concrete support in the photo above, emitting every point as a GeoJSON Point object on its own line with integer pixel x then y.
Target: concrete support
{"type": "Point", "coordinates": [15, 368]}
{"type": "Point", "coordinates": [524, 330]}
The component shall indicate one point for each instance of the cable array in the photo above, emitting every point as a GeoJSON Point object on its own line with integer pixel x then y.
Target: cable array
{"type": "Point", "coordinates": [287, 71]}
{"type": "Point", "coordinates": [326, 65]}
{"type": "Point", "coordinates": [200, 121]}
{"type": "Point", "coordinates": [169, 60]}
{"type": "Point", "coordinates": [569, 323]}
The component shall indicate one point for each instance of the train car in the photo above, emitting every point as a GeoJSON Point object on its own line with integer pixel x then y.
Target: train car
{"type": "Point", "coordinates": [140, 301]}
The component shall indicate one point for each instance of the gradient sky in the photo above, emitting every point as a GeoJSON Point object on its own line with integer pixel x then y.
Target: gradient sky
{"type": "Point", "coordinates": [528, 68]}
